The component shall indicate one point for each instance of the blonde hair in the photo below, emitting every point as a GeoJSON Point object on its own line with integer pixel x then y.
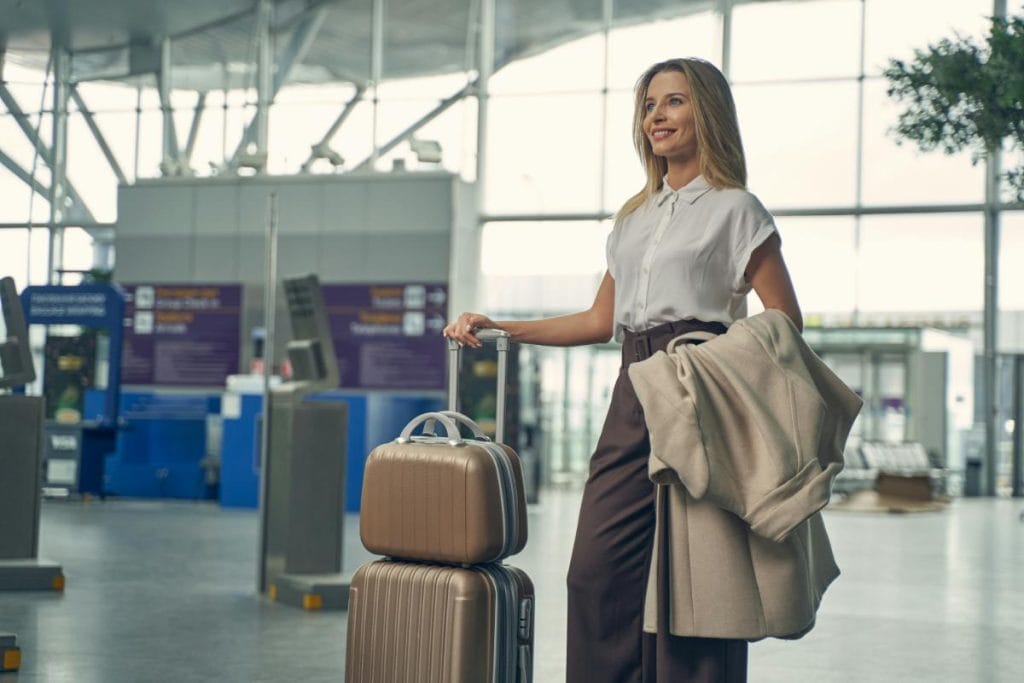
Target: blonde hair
{"type": "Point", "coordinates": [719, 147]}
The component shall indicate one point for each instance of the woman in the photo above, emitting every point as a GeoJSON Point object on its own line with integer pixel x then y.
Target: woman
{"type": "Point", "coordinates": [684, 253]}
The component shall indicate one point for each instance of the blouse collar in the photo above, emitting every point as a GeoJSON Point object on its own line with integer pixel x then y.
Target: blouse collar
{"type": "Point", "coordinates": [691, 192]}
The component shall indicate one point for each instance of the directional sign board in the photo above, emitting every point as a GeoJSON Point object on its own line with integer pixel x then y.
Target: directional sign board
{"type": "Point", "coordinates": [182, 334]}
{"type": "Point", "coordinates": [388, 336]}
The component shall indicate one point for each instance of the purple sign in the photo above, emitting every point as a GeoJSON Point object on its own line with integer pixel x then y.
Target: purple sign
{"type": "Point", "coordinates": [181, 335]}
{"type": "Point", "coordinates": [388, 336]}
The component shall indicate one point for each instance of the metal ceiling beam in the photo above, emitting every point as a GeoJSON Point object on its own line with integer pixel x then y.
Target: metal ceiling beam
{"type": "Point", "coordinates": [21, 118]}
{"type": "Point", "coordinates": [301, 40]}
{"type": "Point", "coordinates": [23, 175]}
{"type": "Point", "coordinates": [193, 131]}
{"type": "Point", "coordinates": [333, 130]}
{"type": "Point", "coordinates": [442, 106]}
{"type": "Point", "coordinates": [90, 121]}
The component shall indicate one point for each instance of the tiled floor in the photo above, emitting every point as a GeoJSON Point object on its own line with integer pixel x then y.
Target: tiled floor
{"type": "Point", "coordinates": [165, 592]}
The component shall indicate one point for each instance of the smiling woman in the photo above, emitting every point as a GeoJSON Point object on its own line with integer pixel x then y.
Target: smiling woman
{"type": "Point", "coordinates": [682, 256]}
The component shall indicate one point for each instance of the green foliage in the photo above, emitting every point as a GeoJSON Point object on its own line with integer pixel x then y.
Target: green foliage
{"type": "Point", "coordinates": [98, 276]}
{"type": "Point", "coordinates": [963, 96]}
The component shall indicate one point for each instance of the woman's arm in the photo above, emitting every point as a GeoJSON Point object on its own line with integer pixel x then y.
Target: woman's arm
{"type": "Point", "coordinates": [586, 327]}
{"type": "Point", "coordinates": [768, 275]}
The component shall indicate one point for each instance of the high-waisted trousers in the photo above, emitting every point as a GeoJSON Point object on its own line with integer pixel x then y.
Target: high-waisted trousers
{"type": "Point", "coordinates": [611, 557]}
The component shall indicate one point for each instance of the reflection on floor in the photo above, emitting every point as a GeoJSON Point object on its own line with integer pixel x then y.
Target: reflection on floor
{"type": "Point", "coordinates": [165, 592]}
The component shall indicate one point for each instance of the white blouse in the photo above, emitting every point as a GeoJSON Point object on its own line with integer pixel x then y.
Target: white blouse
{"type": "Point", "coordinates": [682, 255]}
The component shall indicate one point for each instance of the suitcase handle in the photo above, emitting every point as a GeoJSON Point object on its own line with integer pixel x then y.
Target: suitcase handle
{"type": "Point", "coordinates": [459, 418]}
{"type": "Point", "coordinates": [503, 340]}
{"type": "Point", "coordinates": [454, 437]}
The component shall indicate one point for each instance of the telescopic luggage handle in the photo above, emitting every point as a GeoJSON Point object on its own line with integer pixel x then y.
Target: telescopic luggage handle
{"type": "Point", "coordinates": [503, 341]}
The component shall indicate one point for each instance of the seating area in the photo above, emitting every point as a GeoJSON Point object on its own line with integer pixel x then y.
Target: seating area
{"type": "Point", "coordinates": [867, 459]}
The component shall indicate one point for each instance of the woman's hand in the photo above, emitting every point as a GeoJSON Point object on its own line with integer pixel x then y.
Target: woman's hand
{"type": "Point", "coordinates": [462, 329]}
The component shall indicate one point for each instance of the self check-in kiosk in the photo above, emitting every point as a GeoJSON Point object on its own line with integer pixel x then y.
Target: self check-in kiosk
{"type": "Point", "coordinates": [303, 472]}
{"type": "Point", "coordinates": [21, 434]}
{"type": "Point", "coordinates": [75, 446]}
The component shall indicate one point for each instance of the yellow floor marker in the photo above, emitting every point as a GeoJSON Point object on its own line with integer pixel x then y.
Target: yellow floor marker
{"type": "Point", "coordinates": [11, 660]}
{"type": "Point", "coordinates": [312, 601]}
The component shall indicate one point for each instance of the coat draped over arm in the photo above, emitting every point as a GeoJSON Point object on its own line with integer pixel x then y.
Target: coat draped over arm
{"type": "Point", "coordinates": [747, 435]}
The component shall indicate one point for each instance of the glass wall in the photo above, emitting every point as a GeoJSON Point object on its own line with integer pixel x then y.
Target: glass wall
{"type": "Point", "coordinates": [864, 228]}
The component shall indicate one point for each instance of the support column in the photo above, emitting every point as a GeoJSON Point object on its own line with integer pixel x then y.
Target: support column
{"type": "Point", "coordinates": [990, 409]}
{"type": "Point", "coordinates": [725, 10]}
{"type": "Point", "coordinates": [859, 171]}
{"type": "Point", "coordinates": [466, 292]}
{"type": "Point", "coordinates": [485, 67]}
{"type": "Point", "coordinates": [993, 169]}
{"type": "Point", "coordinates": [1017, 471]}
{"type": "Point", "coordinates": [607, 15]}
{"type": "Point", "coordinates": [264, 82]}
{"type": "Point", "coordinates": [59, 158]}
{"type": "Point", "coordinates": [376, 72]}
{"type": "Point", "coordinates": [169, 162]}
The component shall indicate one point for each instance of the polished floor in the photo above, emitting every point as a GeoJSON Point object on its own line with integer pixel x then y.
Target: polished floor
{"type": "Point", "coordinates": [162, 591]}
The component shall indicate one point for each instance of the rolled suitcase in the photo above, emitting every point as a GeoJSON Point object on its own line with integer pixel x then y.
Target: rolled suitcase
{"type": "Point", "coordinates": [445, 498]}
{"type": "Point", "coordinates": [419, 623]}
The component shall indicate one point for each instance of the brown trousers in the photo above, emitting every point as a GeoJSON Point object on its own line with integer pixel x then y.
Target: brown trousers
{"type": "Point", "coordinates": [611, 557]}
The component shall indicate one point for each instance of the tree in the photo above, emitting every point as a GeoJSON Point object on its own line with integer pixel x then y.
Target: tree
{"type": "Point", "coordinates": [963, 96]}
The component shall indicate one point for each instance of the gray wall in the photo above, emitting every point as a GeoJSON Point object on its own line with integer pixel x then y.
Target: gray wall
{"type": "Point", "coordinates": [346, 228]}
{"type": "Point", "coordinates": [365, 228]}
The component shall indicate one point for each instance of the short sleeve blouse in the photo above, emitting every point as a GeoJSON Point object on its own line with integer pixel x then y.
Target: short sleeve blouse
{"type": "Point", "coordinates": [682, 255]}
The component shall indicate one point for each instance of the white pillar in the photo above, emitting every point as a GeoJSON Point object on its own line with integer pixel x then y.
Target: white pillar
{"type": "Point", "coordinates": [58, 182]}
{"type": "Point", "coordinates": [264, 79]}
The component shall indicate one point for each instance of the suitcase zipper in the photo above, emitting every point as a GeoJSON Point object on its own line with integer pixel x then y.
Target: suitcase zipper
{"type": "Point", "coordinates": [506, 486]}
{"type": "Point", "coordinates": [505, 650]}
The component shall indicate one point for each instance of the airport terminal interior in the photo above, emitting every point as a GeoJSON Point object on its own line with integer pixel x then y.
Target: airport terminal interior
{"type": "Point", "coordinates": [232, 232]}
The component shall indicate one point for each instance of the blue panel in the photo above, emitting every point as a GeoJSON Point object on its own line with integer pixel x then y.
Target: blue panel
{"type": "Point", "coordinates": [93, 404]}
{"type": "Point", "coordinates": [239, 455]}
{"type": "Point", "coordinates": [160, 446]}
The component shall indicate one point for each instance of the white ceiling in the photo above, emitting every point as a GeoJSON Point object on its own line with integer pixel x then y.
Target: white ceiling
{"type": "Point", "coordinates": [213, 40]}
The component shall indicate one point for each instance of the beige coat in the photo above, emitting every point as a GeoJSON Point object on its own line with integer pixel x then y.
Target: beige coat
{"type": "Point", "coordinates": [747, 434]}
